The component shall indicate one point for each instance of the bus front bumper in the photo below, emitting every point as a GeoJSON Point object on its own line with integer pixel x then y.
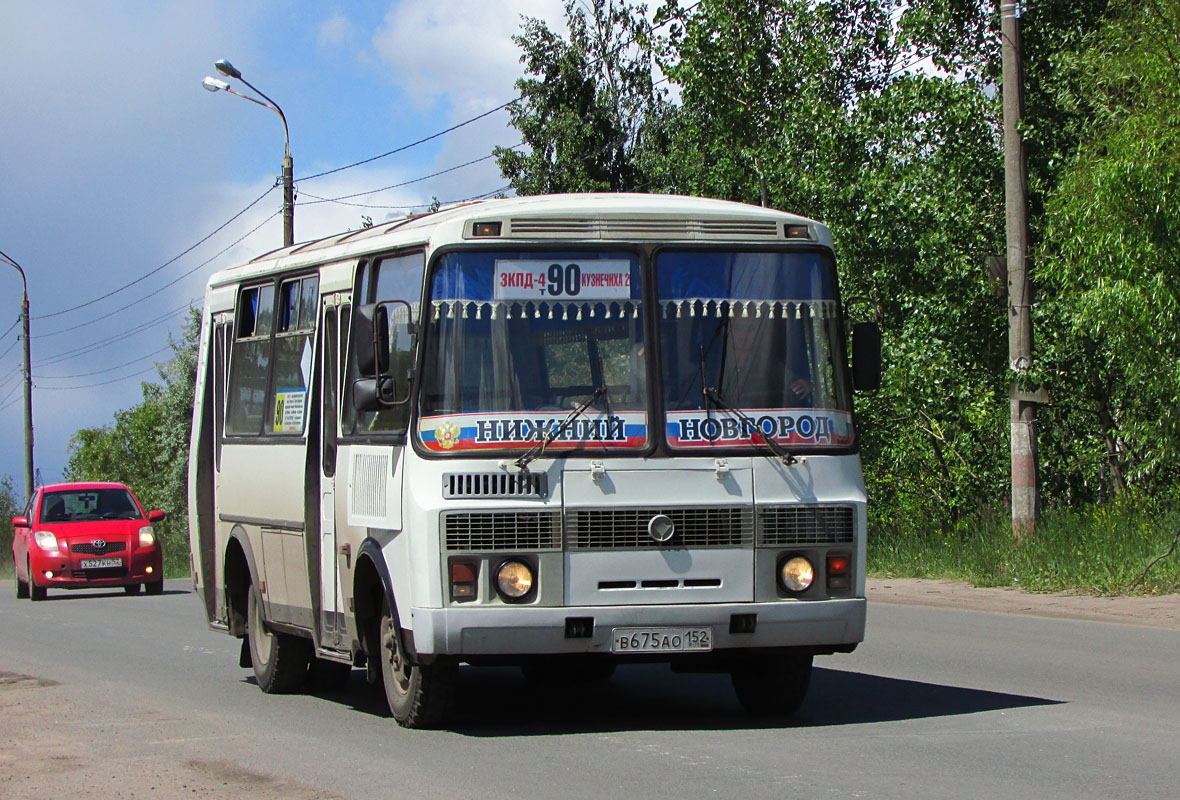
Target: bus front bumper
{"type": "Point", "coordinates": [521, 631]}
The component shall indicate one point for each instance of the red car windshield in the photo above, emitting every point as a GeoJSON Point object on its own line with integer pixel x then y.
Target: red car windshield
{"type": "Point", "coordinates": [83, 505]}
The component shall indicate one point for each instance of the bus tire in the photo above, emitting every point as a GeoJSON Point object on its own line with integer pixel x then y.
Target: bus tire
{"type": "Point", "coordinates": [772, 684]}
{"type": "Point", "coordinates": [280, 660]}
{"type": "Point", "coordinates": [419, 695]}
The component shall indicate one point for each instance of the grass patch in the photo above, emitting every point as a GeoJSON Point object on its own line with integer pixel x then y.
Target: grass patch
{"type": "Point", "coordinates": [1101, 549]}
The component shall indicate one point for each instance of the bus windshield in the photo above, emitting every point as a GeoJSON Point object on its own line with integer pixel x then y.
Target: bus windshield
{"type": "Point", "coordinates": [515, 341]}
{"type": "Point", "coordinates": [751, 349]}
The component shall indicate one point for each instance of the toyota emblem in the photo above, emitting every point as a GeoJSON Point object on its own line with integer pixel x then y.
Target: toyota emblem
{"type": "Point", "coordinates": [99, 544]}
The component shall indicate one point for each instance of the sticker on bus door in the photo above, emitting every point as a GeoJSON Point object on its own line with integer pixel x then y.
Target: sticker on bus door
{"type": "Point", "coordinates": [563, 280]}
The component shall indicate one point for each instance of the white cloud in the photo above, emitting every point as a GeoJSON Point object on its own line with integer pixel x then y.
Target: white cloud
{"type": "Point", "coordinates": [460, 50]}
{"type": "Point", "coordinates": [335, 31]}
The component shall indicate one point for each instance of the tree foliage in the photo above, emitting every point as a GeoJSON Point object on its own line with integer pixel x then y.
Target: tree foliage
{"type": "Point", "coordinates": [819, 107]}
{"type": "Point", "coordinates": [10, 506]}
{"type": "Point", "coordinates": [1112, 263]}
{"type": "Point", "coordinates": [592, 110]}
{"type": "Point", "coordinates": [146, 446]}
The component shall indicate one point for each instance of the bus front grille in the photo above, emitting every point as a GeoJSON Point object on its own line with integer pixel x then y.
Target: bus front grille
{"type": "Point", "coordinates": [780, 526]}
{"type": "Point", "coordinates": [627, 528]}
{"type": "Point", "coordinates": [457, 485]}
{"type": "Point", "coordinates": [502, 530]}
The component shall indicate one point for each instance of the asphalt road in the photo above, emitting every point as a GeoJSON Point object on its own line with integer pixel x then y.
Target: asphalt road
{"type": "Point", "coordinates": [107, 695]}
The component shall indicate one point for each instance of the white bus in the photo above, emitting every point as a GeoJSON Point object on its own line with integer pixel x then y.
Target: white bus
{"type": "Point", "coordinates": [559, 432]}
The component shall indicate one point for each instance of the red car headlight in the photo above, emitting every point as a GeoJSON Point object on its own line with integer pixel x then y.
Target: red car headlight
{"type": "Point", "coordinates": [147, 536]}
{"type": "Point", "coordinates": [45, 540]}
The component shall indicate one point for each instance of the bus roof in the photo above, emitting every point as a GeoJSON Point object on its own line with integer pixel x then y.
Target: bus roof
{"type": "Point", "coordinates": [536, 218]}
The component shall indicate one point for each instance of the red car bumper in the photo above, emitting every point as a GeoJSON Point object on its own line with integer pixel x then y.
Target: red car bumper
{"type": "Point", "coordinates": [61, 570]}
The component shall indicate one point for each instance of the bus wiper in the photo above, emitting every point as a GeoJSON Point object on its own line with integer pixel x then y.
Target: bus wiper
{"type": "Point", "coordinates": [538, 450]}
{"type": "Point", "coordinates": [774, 447]}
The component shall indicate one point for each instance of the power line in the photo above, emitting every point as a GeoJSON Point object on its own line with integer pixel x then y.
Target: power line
{"type": "Point", "coordinates": [333, 171]}
{"type": "Point", "coordinates": [162, 266]}
{"type": "Point", "coordinates": [405, 147]}
{"type": "Point", "coordinates": [68, 354]}
{"type": "Point", "coordinates": [100, 383]}
{"type": "Point", "coordinates": [101, 371]}
{"type": "Point", "coordinates": [173, 282]}
{"type": "Point", "coordinates": [342, 198]}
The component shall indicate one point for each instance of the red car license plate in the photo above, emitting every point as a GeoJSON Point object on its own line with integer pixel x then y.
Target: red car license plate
{"type": "Point", "coordinates": [100, 563]}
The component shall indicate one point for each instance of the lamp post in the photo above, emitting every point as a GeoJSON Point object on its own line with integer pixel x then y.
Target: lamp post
{"type": "Point", "coordinates": [214, 85]}
{"type": "Point", "coordinates": [24, 310]}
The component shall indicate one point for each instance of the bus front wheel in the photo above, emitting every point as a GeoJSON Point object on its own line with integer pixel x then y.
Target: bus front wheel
{"type": "Point", "coordinates": [280, 660]}
{"type": "Point", "coordinates": [419, 695]}
{"type": "Point", "coordinates": [772, 684]}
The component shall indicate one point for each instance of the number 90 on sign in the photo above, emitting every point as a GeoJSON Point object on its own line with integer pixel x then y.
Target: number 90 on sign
{"type": "Point", "coordinates": [661, 640]}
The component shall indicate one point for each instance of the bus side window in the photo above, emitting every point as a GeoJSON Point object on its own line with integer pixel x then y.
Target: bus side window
{"type": "Point", "coordinates": [291, 364]}
{"type": "Point", "coordinates": [394, 278]}
{"type": "Point", "coordinates": [220, 339]}
{"type": "Point", "coordinates": [250, 360]}
{"type": "Point", "coordinates": [328, 394]}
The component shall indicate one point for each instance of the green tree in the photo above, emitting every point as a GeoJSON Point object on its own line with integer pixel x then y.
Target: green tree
{"type": "Point", "coordinates": [10, 506]}
{"type": "Point", "coordinates": [592, 111]}
{"type": "Point", "coordinates": [1112, 252]}
{"type": "Point", "coordinates": [146, 446]}
{"type": "Point", "coordinates": [814, 107]}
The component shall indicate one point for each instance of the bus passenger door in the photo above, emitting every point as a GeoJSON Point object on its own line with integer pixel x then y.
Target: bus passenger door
{"type": "Point", "coordinates": [332, 623]}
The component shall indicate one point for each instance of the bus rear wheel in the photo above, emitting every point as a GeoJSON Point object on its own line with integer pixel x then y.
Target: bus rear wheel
{"type": "Point", "coordinates": [280, 660]}
{"type": "Point", "coordinates": [419, 695]}
{"type": "Point", "coordinates": [772, 684]}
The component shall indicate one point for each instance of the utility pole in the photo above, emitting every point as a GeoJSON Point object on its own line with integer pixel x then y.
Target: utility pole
{"type": "Point", "coordinates": [24, 310]}
{"type": "Point", "coordinates": [1025, 491]}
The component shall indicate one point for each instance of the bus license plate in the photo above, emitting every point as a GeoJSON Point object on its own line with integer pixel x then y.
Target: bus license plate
{"type": "Point", "coordinates": [661, 640]}
{"type": "Point", "coordinates": [100, 563]}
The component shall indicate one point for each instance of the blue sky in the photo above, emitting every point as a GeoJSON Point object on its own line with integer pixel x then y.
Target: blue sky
{"type": "Point", "coordinates": [114, 161]}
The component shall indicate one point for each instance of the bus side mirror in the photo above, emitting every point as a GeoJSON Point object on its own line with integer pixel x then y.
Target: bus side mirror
{"type": "Point", "coordinates": [370, 338]}
{"type": "Point", "coordinates": [866, 357]}
{"type": "Point", "coordinates": [385, 337]}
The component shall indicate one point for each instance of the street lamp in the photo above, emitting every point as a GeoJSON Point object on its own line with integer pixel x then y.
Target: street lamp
{"type": "Point", "coordinates": [24, 310]}
{"type": "Point", "coordinates": [214, 85]}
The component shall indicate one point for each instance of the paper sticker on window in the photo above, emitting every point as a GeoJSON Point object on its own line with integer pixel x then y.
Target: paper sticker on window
{"type": "Point", "coordinates": [289, 407]}
{"type": "Point", "coordinates": [562, 280]}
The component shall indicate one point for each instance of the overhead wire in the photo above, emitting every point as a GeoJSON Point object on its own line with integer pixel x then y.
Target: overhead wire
{"type": "Point", "coordinates": [333, 171]}
{"type": "Point", "coordinates": [99, 383]}
{"type": "Point", "coordinates": [66, 355]}
{"type": "Point", "coordinates": [170, 261]}
{"type": "Point", "coordinates": [101, 371]}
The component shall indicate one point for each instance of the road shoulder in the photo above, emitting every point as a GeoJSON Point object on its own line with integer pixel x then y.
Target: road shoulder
{"type": "Point", "coordinates": [1156, 611]}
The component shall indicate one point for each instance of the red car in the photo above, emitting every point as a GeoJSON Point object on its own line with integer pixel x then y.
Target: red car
{"type": "Point", "coordinates": [86, 536]}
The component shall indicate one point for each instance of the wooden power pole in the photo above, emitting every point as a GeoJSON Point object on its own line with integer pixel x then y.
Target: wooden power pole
{"type": "Point", "coordinates": [1025, 491]}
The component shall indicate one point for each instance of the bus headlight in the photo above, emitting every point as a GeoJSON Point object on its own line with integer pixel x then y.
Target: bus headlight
{"type": "Point", "coordinates": [796, 574]}
{"type": "Point", "coordinates": [514, 580]}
